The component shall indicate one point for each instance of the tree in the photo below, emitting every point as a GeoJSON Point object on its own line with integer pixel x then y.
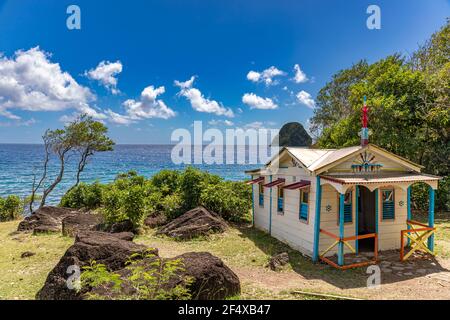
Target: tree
{"type": "Point", "coordinates": [89, 137]}
{"type": "Point", "coordinates": [409, 107]}
{"type": "Point", "coordinates": [84, 137]}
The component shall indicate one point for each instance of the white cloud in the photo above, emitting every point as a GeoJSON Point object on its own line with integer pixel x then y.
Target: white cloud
{"type": "Point", "coordinates": [119, 118]}
{"type": "Point", "coordinates": [300, 76]}
{"type": "Point", "coordinates": [199, 102]}
{"type": "Point", "coordinates": [256, 102]}
{"type": "Point", "coordinates": [221, 122]}
{"type": "Point", "coordinates": [306, 99]}
{"type": "Point", "coordinates": [30, 81]}
{"type": "Point", "coordinates": [106, 73]}
{"type": "Point", "coordinates": [149, 106]}
{"type": "Point", "coordinates": [267, 76]}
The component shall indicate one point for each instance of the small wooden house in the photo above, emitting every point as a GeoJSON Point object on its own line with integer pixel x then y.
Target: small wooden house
{"type": "Point", "coordinates": [330, 202]}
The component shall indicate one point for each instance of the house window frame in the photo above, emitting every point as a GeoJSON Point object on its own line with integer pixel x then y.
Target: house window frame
{"type": "Point", "coordinates": [382, 190]}
{"type": "Point", "coordinates": [352, 193]}
{"type": "Point", "coordinates": [261, 194]}
{"type": "Point", "coordinates": [301, 202]}
{"type": "Point", "coordinates": [280, 196]}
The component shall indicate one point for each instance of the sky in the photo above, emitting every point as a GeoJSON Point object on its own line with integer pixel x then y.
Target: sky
{"type": "Point", "coordinates": [146, 68]}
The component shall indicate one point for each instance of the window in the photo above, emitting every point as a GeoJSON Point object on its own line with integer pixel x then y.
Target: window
{"type": "Point", "coordinates": [280, 199]}
{"type": "Point", "coordinates": [261, 195]}
{"type": "Point", "coordinates": [304, 204]}
{"type": "Point", "coordinates": [388, 204]}
{"type": "Point", "coordinates": [348, 207]}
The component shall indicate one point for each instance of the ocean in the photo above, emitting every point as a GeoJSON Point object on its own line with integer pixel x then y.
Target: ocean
{"type": "Point", "coordinates": [20, 162]}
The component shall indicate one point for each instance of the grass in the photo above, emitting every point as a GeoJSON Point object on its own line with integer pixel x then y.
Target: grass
{"type": "Point", "coordinates": [245, 250]}
{"type": "Point", "coordinates": [442, 221]}
{"type": "Point", "coordinates": [20, 279]}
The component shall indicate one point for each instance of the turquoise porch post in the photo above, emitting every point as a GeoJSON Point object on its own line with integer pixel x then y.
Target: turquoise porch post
{"type": "Point", "coordinates": [356, 218]}
{"type": "Point", "coordinates": [270, 209]}
{"type": "Point", "coordinates": [317, 220]}
{"type": "Point", "coordinates": [341, 230]}
{"type": "Point", "coordinates": [408, 207]}
{"type": "Point", "coordinates": [253, 204]}
{"type": "Point", "coordinates": [431, 219]}
{"type": "Point", "coordinates": [376, 210]}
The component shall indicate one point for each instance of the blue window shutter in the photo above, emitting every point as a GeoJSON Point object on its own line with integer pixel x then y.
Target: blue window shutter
{"type": "Point", "coordinates": [388, 205]}
{"type": "Point", "coordinates": [280, 204]}
{"type": "Point", "coordinates": [304, 211]}
{"type": "Point", "coordinates": [348, 216]}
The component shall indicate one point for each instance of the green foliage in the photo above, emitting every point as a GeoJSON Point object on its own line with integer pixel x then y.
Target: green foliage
{"type": "Point", "coordinates": [133, 197]}
{"type": "Point", "coordinates": [409, 109]}
{"type": "Point", "coordinates": [232, 200]}
{"type": "Point", "coordinates": [192, 182]}
{"type": "Point", "coordinates": [147, 278]}
{"type": "Point", "coordinates": [166, 181]}
{"type": "Point", "coordinates": [10, 208]}
{"type": "Point", "coordinates": [84, 195]}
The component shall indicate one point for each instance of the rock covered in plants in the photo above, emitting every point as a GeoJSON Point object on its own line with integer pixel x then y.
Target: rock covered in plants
{"type": "Point", "coordinates": [73, 224]}
{"type": "Point", "coordinates": [277, 262]}
{"type": "Point", "coordinates": [112, 250]}
{"type": "Point", "coordinates": [212, 279]}
{"type": "Point", "coordinates": [197, 222]}
{"type": "Point", "coordinates": [46, 220]}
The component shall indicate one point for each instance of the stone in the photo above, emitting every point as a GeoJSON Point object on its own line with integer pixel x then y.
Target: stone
{"type": "Point", "coordinates": [155, 220]}
{"type": "Point", "coordinates": [27, 254]}
{"type": "Point", "coordinates": [73, 224]}
{"type": "Point", "coordinates": [213, 280]}
{"type": "Point", "coordinates": [105, 248]}
{"type": "Point", "coordinates": [46, 220]}
{"type": "Point", "coordinates": [197, 222]}
{"type": "Point", "coordinates": [277, 262]}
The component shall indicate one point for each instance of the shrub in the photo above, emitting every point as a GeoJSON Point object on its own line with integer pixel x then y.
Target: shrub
{"type": "Point", "coordinates": [166, 181]}
{"type": "Point", "coordinates": [232, 200]}
{"type": "Point", "coordinates": [10, 208]}
{"type": "Point", "coordinates": [172, 206]}
{"type": "Point", "coordinates": [148, 276]}
{"type": "Point", "coordinates": [89, 196]}
{"type": "Point", "coordinates": [192, 182]}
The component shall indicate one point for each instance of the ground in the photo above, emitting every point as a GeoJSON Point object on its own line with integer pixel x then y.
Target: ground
{"type": "Point", "coordinates": [245, 251]}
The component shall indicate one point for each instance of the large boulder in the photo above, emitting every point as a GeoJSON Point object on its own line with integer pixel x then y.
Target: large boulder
{"type": "Point", "coordinates": [112, 250]}
{"type": "Point", "coordinates": [212, 279]}
{"type": "Point", "coordinates": [197, 222]}
{"type": "Point", "coordinates": [73, 224]}
{"type": "Point", "coordinates": [155, 220]}
{"type": "Point", "coordinates": [46, 220]}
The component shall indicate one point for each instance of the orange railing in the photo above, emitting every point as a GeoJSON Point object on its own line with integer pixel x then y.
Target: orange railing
{"type": "Point", "coordinates": [417, 243]}
{"type": "Point", "coordinates": [345, 241]}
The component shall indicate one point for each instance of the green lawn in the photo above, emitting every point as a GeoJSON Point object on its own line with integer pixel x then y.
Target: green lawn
{"type": "Point", "coordinates": [244, 249]}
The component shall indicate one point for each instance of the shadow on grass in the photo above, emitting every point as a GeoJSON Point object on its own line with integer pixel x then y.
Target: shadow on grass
{"type": "Point", "coordinates": [344, 279]}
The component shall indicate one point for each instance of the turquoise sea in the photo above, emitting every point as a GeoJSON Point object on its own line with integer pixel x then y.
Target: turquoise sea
{"type": "Point", "coordinates": [19, 163]}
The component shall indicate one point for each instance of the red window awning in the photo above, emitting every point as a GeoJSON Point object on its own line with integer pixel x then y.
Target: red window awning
{"type": "Point", "coordinates": [259, 180]}
{"type": "Point", "coordinates": [275, 183]}
{"type": "Point", "coordinates": [298, 185]}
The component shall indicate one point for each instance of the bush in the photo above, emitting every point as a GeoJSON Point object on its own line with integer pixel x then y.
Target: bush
{"type": "Point", "coordinates": [166, 181]}
{"type": "Point", "coordinates": [10, 208]}
{"type": "Point", "coordinates": [172, 206]}
{"type": "Point", "coordinates": [148, 276]}
{"type": "Point", "coordinates": [192, 182]}
{"type": "Point", "coordinates": [232, 200]}
{"type": "Point", "coordinates": [89, 196]}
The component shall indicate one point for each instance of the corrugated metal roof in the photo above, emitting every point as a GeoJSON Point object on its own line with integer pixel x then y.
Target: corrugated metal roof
{"type": "Point", "coordinates": [317, 158]}
{"type": "Point", "coordinates": [392, 178]}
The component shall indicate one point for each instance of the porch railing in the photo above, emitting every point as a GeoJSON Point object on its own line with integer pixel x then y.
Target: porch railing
{"type": "Point", "coordinates": [345, 242]}
{"type": "Point", "coordinates": [417, 233]}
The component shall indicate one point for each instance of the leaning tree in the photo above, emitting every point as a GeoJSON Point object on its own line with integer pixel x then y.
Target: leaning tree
{"type": "Point", "coordinates": [83, 137]}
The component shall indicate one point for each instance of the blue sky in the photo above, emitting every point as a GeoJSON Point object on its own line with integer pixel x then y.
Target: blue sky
{"type": "Point", "coordinates": [151, 44]}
